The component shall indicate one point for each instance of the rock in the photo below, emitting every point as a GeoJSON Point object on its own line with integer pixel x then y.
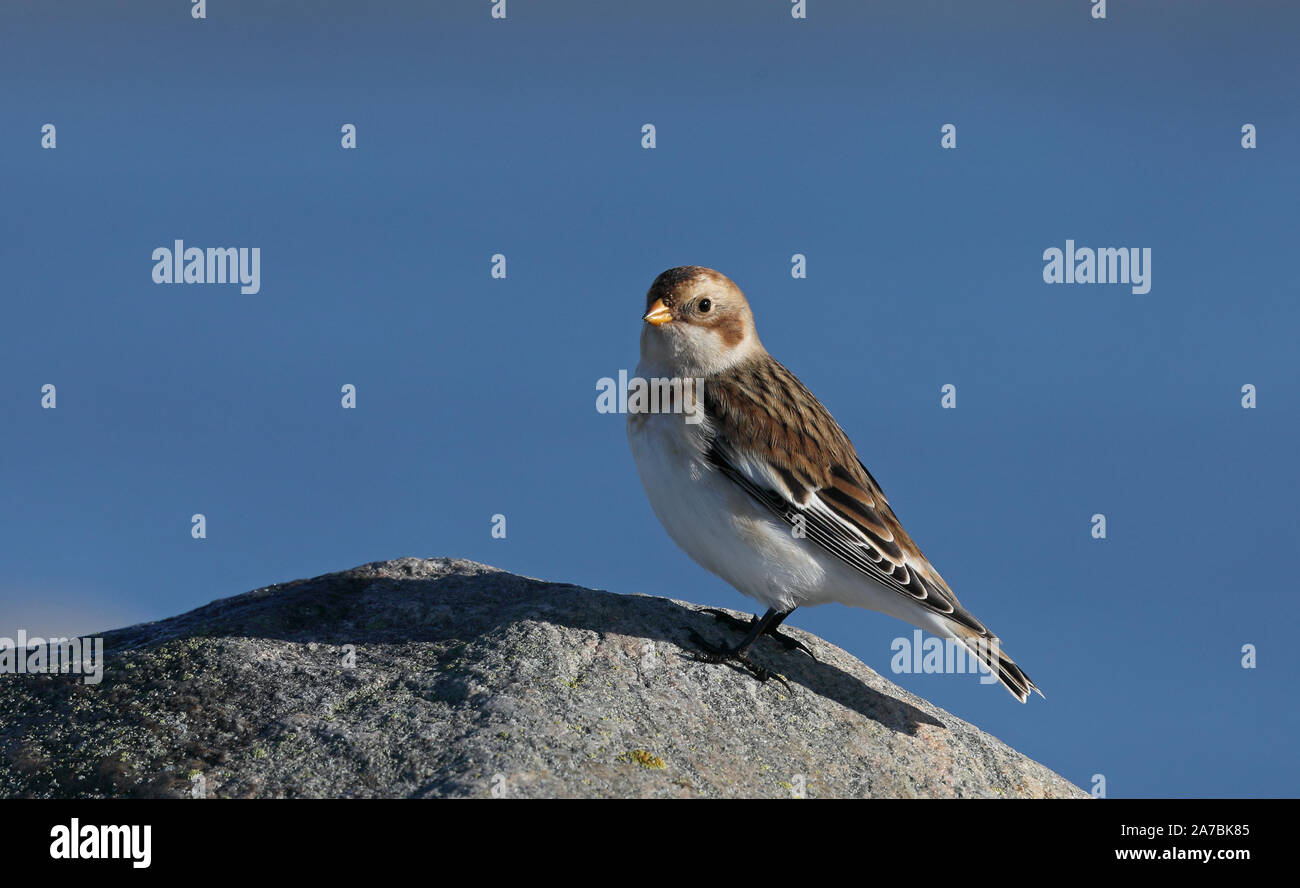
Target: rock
{"type": "Point", "coordinates": [469, 681]}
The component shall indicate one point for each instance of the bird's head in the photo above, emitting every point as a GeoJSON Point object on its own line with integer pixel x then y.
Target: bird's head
{"type": "Point", "coordinates": [697, 322]}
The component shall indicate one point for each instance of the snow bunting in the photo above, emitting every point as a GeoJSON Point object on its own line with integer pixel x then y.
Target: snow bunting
{"type": "Point", "coordinates": [767, 491]}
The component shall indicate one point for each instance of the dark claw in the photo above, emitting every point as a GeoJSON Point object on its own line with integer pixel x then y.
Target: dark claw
{"type": "Point", "coordinates": [790, 643]}
{"type": "Point", "coordinates": [710, 653]}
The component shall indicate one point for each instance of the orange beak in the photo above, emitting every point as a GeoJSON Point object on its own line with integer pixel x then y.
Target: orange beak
{"type": "Point", "coordinates": [658, 314]}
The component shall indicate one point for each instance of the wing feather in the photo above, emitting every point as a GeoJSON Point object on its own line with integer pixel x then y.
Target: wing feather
{"type": "Point", "coordinates": [775, 440]}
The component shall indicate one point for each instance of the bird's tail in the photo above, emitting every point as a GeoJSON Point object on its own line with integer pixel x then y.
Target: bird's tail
{"type": "Point", "coordinates": [988, 650]}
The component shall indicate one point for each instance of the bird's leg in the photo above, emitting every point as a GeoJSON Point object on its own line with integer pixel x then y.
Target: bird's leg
{"type": "Point", "coordinates": [788, 642]}
{"type": "Point", "coordinates": [739, 654]}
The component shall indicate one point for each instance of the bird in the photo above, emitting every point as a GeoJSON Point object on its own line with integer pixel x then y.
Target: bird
{"type": "Point", "coordinates": [765, 490]}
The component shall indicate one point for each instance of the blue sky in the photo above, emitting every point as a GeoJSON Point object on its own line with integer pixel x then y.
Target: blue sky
{"type": "Point", "coordinates": [774, 136]}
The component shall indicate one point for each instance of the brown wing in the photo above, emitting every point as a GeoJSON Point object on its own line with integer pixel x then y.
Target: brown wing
{"type": "Point", "coordinates": [776, 440]}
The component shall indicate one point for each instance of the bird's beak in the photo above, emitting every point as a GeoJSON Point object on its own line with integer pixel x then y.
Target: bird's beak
{"type": "Point", "coordinates": [658, 314]}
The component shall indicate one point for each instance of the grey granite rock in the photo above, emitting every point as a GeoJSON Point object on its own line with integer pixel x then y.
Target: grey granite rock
{"type": "Point", "coordinates": [469, 681]}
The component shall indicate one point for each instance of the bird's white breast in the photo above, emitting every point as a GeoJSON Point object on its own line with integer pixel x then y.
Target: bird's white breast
{"type": "Point", "coordinates": [714, 521]}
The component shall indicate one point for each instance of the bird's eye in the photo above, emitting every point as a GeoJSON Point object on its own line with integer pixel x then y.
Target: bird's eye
{"type": "Point", "coordinates": [705, 305]}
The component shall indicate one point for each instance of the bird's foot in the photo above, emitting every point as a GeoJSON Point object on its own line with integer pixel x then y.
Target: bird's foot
{"type": "Point", "coordinates": [738, 660]}
{"type": "Point", "coordinates": [788, 642]}
{"type": "Point", "coordinates": [723, 617]}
